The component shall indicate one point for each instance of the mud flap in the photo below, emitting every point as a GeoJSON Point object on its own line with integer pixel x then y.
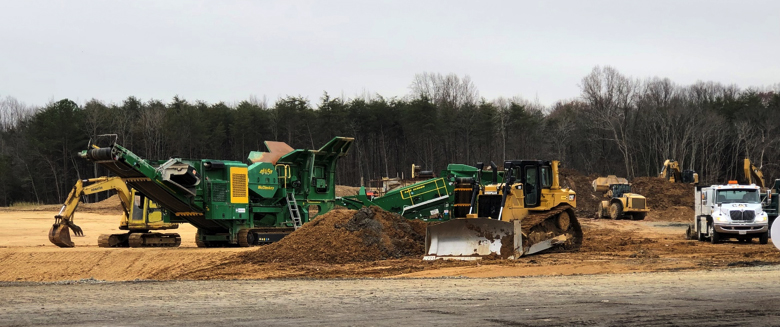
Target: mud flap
{"type": "Point", "coordinates": [474, 238]}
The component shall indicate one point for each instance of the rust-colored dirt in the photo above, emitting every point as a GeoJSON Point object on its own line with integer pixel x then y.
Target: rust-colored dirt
{"type": "Point", "coordinates": [346, 236]}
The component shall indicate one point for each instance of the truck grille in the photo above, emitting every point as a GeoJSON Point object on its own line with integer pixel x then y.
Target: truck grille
{"type": "Point", "coordinates": [748, 215]}
{"type": "Point", "coordinates": [638, 203]}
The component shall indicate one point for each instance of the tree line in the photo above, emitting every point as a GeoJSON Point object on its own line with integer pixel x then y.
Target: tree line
{"type": "Point", "coordinates": [618, 125]}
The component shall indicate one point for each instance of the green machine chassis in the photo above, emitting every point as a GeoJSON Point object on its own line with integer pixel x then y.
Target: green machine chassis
{"type": "Point", "coordinates": [231, 202]}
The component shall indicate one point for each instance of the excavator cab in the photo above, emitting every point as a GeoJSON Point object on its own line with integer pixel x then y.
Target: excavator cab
{"type": "Point", "coordinates": [529, 212]}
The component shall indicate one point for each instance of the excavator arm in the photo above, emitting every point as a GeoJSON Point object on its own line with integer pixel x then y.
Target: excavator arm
{"type": "Point", "coordinates": [59, 234]}
{"type": "Point", "coordinates": [753, 175]}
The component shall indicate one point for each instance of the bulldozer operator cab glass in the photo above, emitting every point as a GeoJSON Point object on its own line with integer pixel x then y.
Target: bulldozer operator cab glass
{"type": "Point", "coordinates": [546, 177]}
{"type": "Point", "coordinates": [738, 196]}
{"type": "Point", "coordinates": [531, 185]}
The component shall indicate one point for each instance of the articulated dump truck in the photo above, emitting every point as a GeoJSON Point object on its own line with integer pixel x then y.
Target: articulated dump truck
{"type": "Point", "coordinates": [233, 203]}
{"type": "Point", "coordinates": [528, 212]}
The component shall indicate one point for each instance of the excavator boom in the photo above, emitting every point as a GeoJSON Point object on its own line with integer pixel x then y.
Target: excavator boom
{"type": "Point", "coordinates": [59, 234]}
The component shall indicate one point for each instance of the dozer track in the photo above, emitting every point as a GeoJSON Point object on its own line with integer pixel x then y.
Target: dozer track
{"type": "Point", "coordinates": [137, 240]}
{"type": "Point", "coordinates": [558, 225]}
{"type": "Point", "coordinates": [555, 230]}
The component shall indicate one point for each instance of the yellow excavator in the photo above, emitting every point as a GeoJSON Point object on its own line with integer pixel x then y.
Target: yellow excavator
{"type": "Point", "coordinates": [671, 172]}
{"type": "Point", "coordinates": [141, 215]}
{"type": "Point", "coordinates": [753, 174]}
{"type": "Point", "coordinates": [528, 212]}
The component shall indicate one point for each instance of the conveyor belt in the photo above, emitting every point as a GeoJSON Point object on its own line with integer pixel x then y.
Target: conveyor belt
{"type": "Point", "coordinates": [157, 192]}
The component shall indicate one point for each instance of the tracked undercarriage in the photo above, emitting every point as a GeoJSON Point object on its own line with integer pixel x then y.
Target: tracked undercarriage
{"type": "Point", "coordinates": [139, 239]}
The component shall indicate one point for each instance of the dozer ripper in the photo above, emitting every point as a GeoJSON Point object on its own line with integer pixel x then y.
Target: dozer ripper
{"type": "Point", "coordinates": [527, 213]}
{"type": "Point", "coordinates": [233, 203]}
{"type": "Point", "coordinates": [140, 217]}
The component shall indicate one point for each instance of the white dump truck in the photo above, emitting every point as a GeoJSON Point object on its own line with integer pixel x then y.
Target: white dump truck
{"type": "Point", "coordinates": [729, 211]}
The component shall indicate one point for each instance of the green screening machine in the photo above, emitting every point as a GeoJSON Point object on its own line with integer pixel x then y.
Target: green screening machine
{"type": "Point", "coordinates": [439, 198]}
{"type": "Point", "coordinates": [231, 202]}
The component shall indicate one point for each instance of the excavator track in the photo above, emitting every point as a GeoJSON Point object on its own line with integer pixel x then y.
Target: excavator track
{"type": "Point", "coordinates": [559, 224]}
{"type": "Point", "coordinates": [112, 240]}
{"type": "Point", "coordinates": [138, 240]}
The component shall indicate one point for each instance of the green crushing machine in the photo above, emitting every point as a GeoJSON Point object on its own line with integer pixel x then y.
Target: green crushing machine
{"type": "Point", "coordinates": [232, 202]}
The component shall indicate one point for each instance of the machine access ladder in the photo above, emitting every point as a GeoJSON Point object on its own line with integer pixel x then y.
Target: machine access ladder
{"type": "Point", "coordinates": [295, 214]}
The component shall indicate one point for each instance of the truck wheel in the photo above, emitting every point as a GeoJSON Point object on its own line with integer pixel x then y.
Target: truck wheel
{"type": "Point", "coordinates": [763, 238]}
{"type": "Point", "coordinates": [714, 236]}
{"type": "Point", "coordinates": [639, 216]}
{"type": "Point", "coordinates": [616, 210]}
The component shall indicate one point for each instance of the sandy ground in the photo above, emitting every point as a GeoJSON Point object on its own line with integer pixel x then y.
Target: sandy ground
{"type": "Point", "coordinates": [734, 297]}
{"type": "Point", "coordinates": [610, 247]}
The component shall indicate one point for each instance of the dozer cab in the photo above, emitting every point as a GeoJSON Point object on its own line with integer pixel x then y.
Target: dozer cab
{"type": "Point", "coordinates": [141, 215]}
{"type": "Point", "coordinates": [620, 202]}
{"type": "Point", "coordinates": [527, 213]}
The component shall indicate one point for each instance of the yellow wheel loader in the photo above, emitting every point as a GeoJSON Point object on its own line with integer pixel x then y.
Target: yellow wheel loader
{"type": "Point", "coordinates": [620, 201]}
{"type": "Point", "coordinates": [527, 213]}
{"type": "Point", "coordinates": [141, 215]}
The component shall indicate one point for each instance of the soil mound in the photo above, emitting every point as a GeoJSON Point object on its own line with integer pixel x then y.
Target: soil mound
{"type": "Point", "coordinates": [343, 190]}
{"type": "Point", "coordinates": [113, 203]}
{"type": "Point", "coordinates": [587, 200]}
{"type": "Point", "coordinates": [661, 194]}
{"type": "Point", "coordinates": [345, 236]}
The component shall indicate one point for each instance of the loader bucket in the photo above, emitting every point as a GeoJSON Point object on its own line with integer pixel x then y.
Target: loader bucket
{"type": "Point", "coordinates": [472, 239]}
{"type": "Point", "coordinates": [59, 235]}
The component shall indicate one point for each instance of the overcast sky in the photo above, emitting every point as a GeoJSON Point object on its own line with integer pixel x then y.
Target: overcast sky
{"type": "Point", "coordinates": [228, 50]}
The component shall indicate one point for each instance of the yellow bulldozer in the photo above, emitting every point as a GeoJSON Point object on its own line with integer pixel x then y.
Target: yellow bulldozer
{"type": "Point", "coordinates": [528, 212]}
{"type": "Point", "coordinates": [620, 201]}
{"type": "Point", "coordinates": [141, 215]}
{"type": "Point", "coordinates": [671, 171]}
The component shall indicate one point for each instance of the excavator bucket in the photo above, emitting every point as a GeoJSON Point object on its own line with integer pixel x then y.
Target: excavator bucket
{"type": "Point", "coordinates": [475, 238]}
{"type": "Point", "coordinates": [59, 234]}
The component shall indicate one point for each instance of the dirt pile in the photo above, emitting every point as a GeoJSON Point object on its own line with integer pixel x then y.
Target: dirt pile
{"type": "Point", "coordinates": [343, 190]}
{"type": "Point", "coordinates": [587, 199]}
{"type": "Point", "coordinates": [108, 205]}
{"type": "Point", "coordinates": [661, 194]}
{"type": "Point", "coordinates": [346, 236]}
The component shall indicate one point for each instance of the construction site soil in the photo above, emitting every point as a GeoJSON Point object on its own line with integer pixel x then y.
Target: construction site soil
{"type": "Point", "coordinates": [368, 243]}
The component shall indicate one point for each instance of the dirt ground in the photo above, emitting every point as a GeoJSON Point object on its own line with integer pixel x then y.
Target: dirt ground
{"type": "Point", "coordinates": [624, 246]}
{"type": "Point", "coordinates": [691, 298]}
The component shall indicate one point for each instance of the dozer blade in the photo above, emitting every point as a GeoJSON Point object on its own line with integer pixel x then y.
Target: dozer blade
{"type": "Point", "coordinates": [472, 239]}
{"type": "Point", "coordinates": [59, 235]}
{"type": "Point", "coordinates": [475, 238]}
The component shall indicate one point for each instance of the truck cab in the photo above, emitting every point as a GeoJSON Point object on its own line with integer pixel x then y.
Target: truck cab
{"type": "Point", "coordinates": [729, 211]}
